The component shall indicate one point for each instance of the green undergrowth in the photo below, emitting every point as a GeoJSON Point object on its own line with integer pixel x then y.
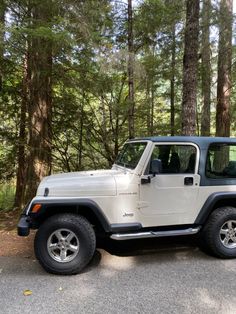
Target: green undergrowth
{"type": "Point", "coordinates": [7, 194]}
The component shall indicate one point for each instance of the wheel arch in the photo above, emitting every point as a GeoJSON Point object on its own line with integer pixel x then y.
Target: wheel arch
{"type": "Point", "coordinates": [86, 208]}
{"type": "Point", "coordinates": [214, 201]}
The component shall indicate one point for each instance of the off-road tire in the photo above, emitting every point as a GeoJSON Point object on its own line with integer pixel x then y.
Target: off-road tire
{"type": "Point", "coordinates": [84, 232]}
{"type": "Point", "coordinates": [210, 235]}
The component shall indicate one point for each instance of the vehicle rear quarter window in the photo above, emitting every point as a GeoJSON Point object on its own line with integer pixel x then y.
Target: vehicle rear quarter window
{"type": "Point", "coordinates": [175, 158]}
{"type": "Point", "coordinates": [221, 161]}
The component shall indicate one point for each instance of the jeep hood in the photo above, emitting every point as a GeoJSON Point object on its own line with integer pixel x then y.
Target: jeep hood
{"type": "Point", "coordinates": [77, 184]}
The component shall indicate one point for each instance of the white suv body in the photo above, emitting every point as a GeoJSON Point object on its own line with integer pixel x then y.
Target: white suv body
{"type": "Point", "coordinates": [159, 186]}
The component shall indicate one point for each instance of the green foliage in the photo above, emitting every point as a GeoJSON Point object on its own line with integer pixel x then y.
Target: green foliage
{"type": "Point", "coordinates": [89, 81]}
{"type": "Point", "coordinates": [7, 194]}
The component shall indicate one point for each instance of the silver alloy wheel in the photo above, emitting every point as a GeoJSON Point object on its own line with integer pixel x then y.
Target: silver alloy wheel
{"type": "Point", "coordinates": [63, 245]}
{"type": "Point", "coordinates": [228, 234]}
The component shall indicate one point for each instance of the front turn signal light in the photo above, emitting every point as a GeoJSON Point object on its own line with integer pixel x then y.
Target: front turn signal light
{"type": "Point", "coordinates": [36, 208]}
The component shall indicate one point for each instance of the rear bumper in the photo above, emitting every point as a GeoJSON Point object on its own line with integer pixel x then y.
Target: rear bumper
{"type": "Point", "coordinates": [23, 227]}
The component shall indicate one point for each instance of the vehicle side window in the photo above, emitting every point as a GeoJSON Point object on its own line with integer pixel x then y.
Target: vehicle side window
{"type": "Point", "coordinates": [175, 158]}
{"type": "Point", "coordinates": [221, 161]}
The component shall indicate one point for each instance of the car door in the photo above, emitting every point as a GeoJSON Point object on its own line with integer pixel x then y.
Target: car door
{"type": "Point", "coordinates": [170, 196]}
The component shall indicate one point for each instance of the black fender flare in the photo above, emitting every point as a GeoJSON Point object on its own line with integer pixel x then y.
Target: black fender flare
{"type": "Point", "coordinates": [210, 203]}
{"type": "Point", "coordinates": [51, 204]}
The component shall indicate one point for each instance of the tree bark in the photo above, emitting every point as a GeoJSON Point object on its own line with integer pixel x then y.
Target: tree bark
{"type": "Point", "coordinates": [190, 62]}
{"type": "Point", "coordinates": [152, 104]}
{"type": "Point", "coordinates": [21, 154]}
{"type": "Point", "coordinates": [172, 83]}
{"type": "Point", "coordinates": [206, 69]}
{"type": "Point", "coordinates": [40, 105]}
{"type": "Point", "coordinates": [224, 68]}
{"type": "Point", "coordinates": [131, 100]}
{"type": "Point", "coordinates": [81, 131]}
{"type": "Point", "coordinates": [2, 22]}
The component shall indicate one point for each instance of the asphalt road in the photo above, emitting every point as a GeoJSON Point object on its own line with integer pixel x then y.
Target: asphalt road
{"type": "Point", "coordinates": [133, 277]}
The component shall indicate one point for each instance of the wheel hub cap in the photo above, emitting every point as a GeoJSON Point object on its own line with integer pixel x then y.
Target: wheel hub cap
{"type": "Point", "coordinates": [63, 245]}
{"type": "Point", "coordinates": [228, 234]}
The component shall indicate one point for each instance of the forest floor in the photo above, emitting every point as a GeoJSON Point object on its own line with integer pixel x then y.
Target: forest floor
{"type": "Point", "coordinates": [10, 243]}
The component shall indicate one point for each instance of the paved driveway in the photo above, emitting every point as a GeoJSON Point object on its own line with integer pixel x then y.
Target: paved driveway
{"type": "Point", "coordinates": [133, 277]}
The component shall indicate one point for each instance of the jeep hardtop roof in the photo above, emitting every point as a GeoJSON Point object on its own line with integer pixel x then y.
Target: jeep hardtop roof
{"type": "Point", "coordinates": [201, 141]}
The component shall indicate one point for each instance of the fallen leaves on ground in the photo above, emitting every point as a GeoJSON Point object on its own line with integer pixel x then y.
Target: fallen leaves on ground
{"type": "Point", "coordinates": [27, 292]}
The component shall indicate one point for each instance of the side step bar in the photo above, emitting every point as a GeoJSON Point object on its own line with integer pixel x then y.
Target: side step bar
{"type": "Point", "coordinates": [154, 234]}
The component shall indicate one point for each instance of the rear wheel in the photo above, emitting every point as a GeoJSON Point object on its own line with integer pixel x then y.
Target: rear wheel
{"type": "Point", "coordinates": [219, 233]}
{"type": "Point", "coordinates": [64, 244]}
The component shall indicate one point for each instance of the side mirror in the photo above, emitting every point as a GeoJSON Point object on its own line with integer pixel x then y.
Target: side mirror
{"type": "Point", "coordinates": [146, 180]}
{"type": "Point", "coordinates": [156, 166]}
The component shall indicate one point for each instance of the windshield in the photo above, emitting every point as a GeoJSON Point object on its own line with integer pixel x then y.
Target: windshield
{"type": "Point", "coordinates": [130, 154]}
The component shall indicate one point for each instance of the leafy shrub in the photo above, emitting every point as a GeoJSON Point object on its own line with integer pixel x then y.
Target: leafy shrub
{"type": "Point", "coordinates": [7, 194]}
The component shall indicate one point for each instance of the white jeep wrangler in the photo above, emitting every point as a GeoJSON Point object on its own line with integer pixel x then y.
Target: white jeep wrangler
{"type": "Point", "coordinates": [157, 187]}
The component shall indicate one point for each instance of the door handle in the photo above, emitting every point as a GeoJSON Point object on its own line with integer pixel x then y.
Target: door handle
{"type": "Point", "coordinates": [188, 181]}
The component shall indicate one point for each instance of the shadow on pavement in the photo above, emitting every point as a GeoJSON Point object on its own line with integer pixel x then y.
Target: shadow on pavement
{"type": "Point", "coordinates": [93, 263]}
{"type": "Point", "coordinates": [147, 246]}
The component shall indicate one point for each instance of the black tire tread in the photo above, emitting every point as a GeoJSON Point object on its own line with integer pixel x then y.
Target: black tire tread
{"type": "Point", "coordinates": [208, 234]}
{"type": "Point", "coordinates": [79, 222]}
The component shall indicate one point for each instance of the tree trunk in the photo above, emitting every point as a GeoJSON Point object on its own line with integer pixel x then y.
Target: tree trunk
{"type": "Point", "coordinates": [148, 104]}
{"type": "Point", "coordinates": [81, 131]}
{"type": "Point", "coordinates": [224, 68]}
{"type": "Point", "coordinates": [131, 70]}
{"type": "Point", "coordinates": [21, 157]}
{"type": "Point", "coordinates": [152, 103]}
{"type": "Point", "coordinates": [2, 22]}
{"type": "Point", "coordinates": [206, 69]}
{"type": "Point", "coordinates": [190, 62]}
{"type": "Point", "coordinates": [172, 84]}
{"type": "Point", "coordinates": [40, 106]}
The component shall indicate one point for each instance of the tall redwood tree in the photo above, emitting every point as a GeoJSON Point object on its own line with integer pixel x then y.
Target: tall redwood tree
{"type": "Point", "coordinates": [206, 68]}
{"type": "Point", "coordinates": [40, 97]}
{"type": "Point", "coordinates": [190, 63]}
{"type": "Point", "coordinates": [131, 69]}
{"type": "Point", "coordinates": [224, 68]}
{"type": "Point", "coordinates": [2, 22]}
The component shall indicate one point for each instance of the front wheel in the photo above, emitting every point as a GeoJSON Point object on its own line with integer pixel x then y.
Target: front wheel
{"type": "Point", "coordinates": [64, 244]}
{"type": "Point", "coordinates": [219, 233]}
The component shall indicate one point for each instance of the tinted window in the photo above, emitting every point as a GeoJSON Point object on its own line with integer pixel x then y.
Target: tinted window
{"type": "Point", "coordinates": [175, 158]}
{"type": "Point", "coordinates": [130, 154]}
{"type": "Point", "coordinates": [221, 161]}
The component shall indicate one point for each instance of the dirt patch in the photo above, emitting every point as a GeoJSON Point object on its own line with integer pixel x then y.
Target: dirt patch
{"type": "Point", "coordinates": [9, 220]}
{"type": "Point", "coordinates": [13, 245]}
{"type": "Point", "coordinates": [10, 243]}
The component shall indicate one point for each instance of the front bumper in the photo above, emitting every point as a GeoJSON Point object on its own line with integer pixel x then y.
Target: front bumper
{"type": "Point", "coordinates": [23, 227]}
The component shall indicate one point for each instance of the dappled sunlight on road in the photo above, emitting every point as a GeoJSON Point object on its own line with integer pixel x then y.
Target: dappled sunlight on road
{"type": "Point", "coordinates": [229, 265]}
{"type": "Point", "coordinates": [146, 277]}
{"type": "Point", "coordinates": [226, 305]}
{"type": "Point", "coordinates": [206, 300]}
{"type": "Point", "coordinates": [117, 263]}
